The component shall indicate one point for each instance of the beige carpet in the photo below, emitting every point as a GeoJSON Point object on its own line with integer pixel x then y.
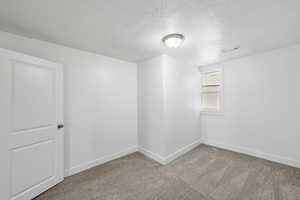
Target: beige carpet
{"type": "Point", "coordinates": [206, 173]}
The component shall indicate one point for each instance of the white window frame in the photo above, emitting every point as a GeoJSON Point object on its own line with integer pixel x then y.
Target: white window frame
{"type": "Point", "coordinates": [220, 110]}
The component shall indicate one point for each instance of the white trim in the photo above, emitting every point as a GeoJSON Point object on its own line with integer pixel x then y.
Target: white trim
{"type": "Point", "coordinates": [212, 113]}
{"type": "Point", "coordinates": [27, 58]}
{"type": "Point", "coordinates": [165, 160]}
{"type": "Point", "coordinates": [270, 157]}
{"type": "Point", "coordinates": [182, 151]}
{"type": "Point", "coordinates": [160, 159]}
{"type": "Point", "coordinates": [99, 161]}
{"type": "Point", "coordinates": [60, 120]}
{"type": "Point", "coordinates": [152, 155]}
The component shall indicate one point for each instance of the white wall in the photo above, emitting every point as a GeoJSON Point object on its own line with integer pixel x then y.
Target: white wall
{"type": "Point", "coordinates": [261, 106]}
{"type": "Point", "coordinates": [182, 103]}
{"type": "Point", "coordinates": [151, 105]}
{"type": "Point", "coordinates": [100, 101]}
{"type": "Point", "coordinates": [169, 106]}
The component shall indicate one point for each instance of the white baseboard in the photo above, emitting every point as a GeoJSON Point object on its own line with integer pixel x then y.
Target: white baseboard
{"type": "Point", "coordinates": [152, 155]}
{"type": "Point", "coordinates": [99, 161]}
{"type": "Point", "coordinates": [266, 156]}
{"type": "Point", "coordinates": [182, 151]}
{"type": "Point", "coordinates": [165, 160]}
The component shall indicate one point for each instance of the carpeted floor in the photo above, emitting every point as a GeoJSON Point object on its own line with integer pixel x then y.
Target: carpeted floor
{"type": "Point", "coordinates": [206, 173]}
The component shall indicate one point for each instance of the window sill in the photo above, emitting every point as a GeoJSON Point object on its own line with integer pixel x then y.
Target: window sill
{"type": "Point", "coordinates": [212, 113]}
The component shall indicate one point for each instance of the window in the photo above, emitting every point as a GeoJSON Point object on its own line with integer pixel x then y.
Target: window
{"type": "Point", "coordinates": [211, 90]}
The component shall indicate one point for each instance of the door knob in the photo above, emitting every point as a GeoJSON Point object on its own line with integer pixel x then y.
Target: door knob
{"type": "Point", "coordinates": [59, 126]}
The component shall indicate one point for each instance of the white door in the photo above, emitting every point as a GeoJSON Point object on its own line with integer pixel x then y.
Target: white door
{"type": "Point", "coordinates": [31, 107]}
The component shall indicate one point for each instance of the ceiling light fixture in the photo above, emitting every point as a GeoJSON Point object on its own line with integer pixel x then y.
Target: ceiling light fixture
{"type": "Point", "coordinates": [173, 40]}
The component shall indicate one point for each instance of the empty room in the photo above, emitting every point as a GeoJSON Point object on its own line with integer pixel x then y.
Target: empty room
{"type": "Point", "coordinates": [149, 100]}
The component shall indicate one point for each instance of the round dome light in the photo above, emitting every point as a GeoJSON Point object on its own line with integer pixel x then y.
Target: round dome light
{"type": "Point", "coordinates": [173, 40]}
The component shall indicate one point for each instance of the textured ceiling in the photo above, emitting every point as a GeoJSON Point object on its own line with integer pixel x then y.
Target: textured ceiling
{"type": "Point", "coordinates": [132, 29]}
